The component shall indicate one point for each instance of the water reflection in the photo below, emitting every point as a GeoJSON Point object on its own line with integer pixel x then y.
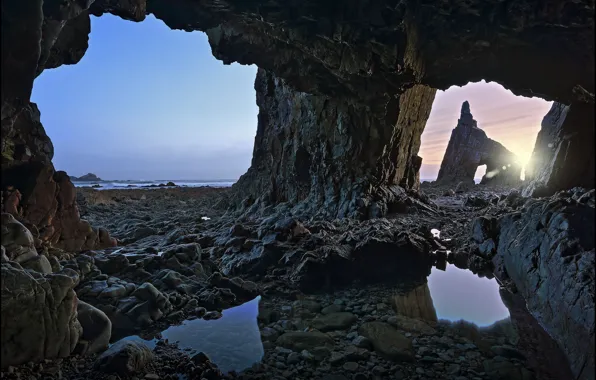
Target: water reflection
{"type": "Point", "coordinates": [233, 342]}
{"type": "Point", "coordinates": [459, 294]}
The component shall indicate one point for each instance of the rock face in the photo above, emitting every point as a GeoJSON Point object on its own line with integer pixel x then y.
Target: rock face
{"type": "Point", "coordinates": [468, 148]}
{"type": "Point", "coordinates": [548, 252]}
{"type": "Point", "coordinates": [46, 199]}
{"type": "Point", "coordinates": [565, 139]}
{"type": "Point", "coordinates": [86, 177]}
{"type": "Point", "coordinates": [38, 315]}
{"type": "Point", "coordinates": [333, 157]}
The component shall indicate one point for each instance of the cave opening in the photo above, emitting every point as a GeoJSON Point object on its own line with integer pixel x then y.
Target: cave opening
{"type": "Point", "coordinates": [149, 104]}
{"type": "Point", "coordinates": [510, 124]}
{"type": "Point", "coordinates": [480, 172]}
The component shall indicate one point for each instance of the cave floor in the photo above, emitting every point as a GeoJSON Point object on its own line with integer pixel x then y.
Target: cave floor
{"type": "Point", "coordinates": [272, 332]}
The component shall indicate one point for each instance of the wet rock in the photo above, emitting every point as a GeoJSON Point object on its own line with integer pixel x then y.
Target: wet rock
{"type": "Point", "coordinates": [304, 340]}
{"type": "Point", "coordinates": [334, 321]}
{"type": "Point", "coordinates": [501, 369]}
{"type": "Point", "coordinates": [387, 341]}
{"type": "Point", "coordinates": [332, 309]}
{"type": "Point", "coordinates": [124, 357]}
{"type": "Point", "coordinates": [97, 329]}
{"type": "Point", "coordinates": [548, 253]}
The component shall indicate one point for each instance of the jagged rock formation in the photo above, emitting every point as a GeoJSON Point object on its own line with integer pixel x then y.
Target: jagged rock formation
{"type": "Point", "coordinates": [468, 148]}
{"type": "Point", "coordinates": [548, 252]}
{"type": "Point", "coordinates": [332, 157]}
{"type": "Point", "coordinates": [563, 156]}
{"type": "Point", "coordinates": [86, 177]}
{"type": "Point", "coordinates": [361, 54]}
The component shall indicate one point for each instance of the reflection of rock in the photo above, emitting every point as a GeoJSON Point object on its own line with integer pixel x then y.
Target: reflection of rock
{"type": "Point", "coordinates": [417, 304]}
{"type": "Point", "coordinates": [548, 253]}
{"type": "Point", "coordinates": [468, 148]}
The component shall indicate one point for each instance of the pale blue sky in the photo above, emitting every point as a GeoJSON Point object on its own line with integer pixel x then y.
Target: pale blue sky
{"type": "Point", "coordinates": [146, 102]}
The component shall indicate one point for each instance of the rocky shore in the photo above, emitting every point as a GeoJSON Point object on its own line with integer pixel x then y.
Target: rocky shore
{"type": "Point", "coordinates": [340, 299]}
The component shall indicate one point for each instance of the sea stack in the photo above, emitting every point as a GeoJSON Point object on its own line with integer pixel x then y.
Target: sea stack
{"type": "Point", "coordinates": [469, 147]}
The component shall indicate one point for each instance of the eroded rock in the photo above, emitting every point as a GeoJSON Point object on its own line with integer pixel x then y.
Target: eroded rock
{"type": "Point", "coordinates": [468, 148]}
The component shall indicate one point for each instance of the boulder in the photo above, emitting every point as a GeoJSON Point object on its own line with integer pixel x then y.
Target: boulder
{"type": "Point", "coordinates": [97, 328]}
{"type": "Point", "coordinates": [387, 341]}
{"type": "Point", "coordinates": [304, 340]}
{"type": "Point", "coordinates": [124, 357]}
{"type": "Point", "coordinates": [39, 318]}
{"type": "Point", "coordinates": [334, 321]}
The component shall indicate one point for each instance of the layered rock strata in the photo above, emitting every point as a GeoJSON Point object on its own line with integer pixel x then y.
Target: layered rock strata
{"type": "Point", "coordinates": [470, 147]}
{"type": "Point", "coordinates": [331, 157]}
{"type": "Point", "coordinates": [547, 251]}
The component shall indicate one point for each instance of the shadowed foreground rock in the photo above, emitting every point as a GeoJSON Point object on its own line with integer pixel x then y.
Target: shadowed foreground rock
{"type": "Point", "coordinates": [38, 315]}
{"type": "Point", "coordinates": [469, 148]}
{"type": "Point", "coordinates": [548, 252]}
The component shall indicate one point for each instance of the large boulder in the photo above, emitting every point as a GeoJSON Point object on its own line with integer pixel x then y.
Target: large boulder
{"type": "Point", "coordinates": [387, 341]}
{"type": "Point", "coordinates": [548, 252]}
{"type": "Point", "coordinates": [124, 357]}
{"type": "Point", "coordinates": [97, 328]}
{"type": "Point", "coordinates": [39, 315]}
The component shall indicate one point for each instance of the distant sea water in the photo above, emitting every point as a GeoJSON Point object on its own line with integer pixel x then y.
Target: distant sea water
{"type": "Point", "coordinates": [136, 184]}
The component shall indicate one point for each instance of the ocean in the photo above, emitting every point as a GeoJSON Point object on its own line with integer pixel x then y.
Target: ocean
{"type": "Point", "coordinates": [134, 184]}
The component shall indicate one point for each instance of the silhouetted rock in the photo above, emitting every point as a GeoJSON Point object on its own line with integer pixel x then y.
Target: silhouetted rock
{"type": "Point", "coordinates": [563, 155]}
{"type": "Point", "coordinates": [89, 177]}
{"type": "Point", "coordinates": [469, 148]}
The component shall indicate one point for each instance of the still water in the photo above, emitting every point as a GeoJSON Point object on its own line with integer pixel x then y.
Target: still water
{"type": "Point", "coordinates": [233, 342]}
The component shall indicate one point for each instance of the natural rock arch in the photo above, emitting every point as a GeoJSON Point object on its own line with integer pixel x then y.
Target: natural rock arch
{"type": "Point", "coordinates": [363, 74]}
